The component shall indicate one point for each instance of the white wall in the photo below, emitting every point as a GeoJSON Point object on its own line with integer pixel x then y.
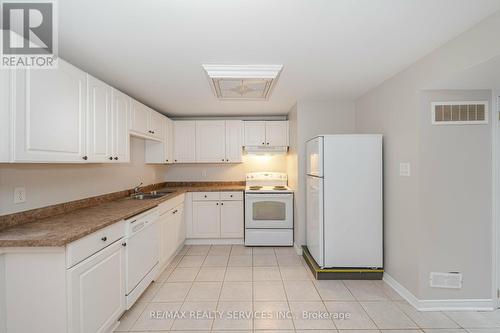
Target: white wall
{"type": "Point", "coordinates": [455, 189]}
{"type": "Point", "coordinates": [224, 172]}
{"type": "Point", "coordinates": [48, 184]}
{"type": "Point", "coordinates": [394, 109]}
{"type": "Point", "coordinates": [308, 119]}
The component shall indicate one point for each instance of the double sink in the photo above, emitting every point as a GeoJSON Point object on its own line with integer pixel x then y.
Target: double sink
{"type": "Point", "coordinates": [151, 195]}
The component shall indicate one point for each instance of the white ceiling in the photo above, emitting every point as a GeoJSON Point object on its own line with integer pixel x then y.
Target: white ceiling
{"type": "Point", "coordinates": [330, 49]}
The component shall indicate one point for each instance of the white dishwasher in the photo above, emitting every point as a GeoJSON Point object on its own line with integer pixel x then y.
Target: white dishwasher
{"type": "Point", "coordinates": [141, 253]}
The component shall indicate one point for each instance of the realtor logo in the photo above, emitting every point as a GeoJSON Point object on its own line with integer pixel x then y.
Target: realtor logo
{"type": "Point", "coordinates": [28, 36]}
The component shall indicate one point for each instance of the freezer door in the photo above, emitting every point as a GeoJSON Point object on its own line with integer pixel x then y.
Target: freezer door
{"type": "Point", "coordinates": [314, 151]}
{"type": "Point", "coordinates": [314, 218]}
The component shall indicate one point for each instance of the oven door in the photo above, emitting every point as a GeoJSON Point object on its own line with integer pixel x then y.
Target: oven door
{"type": "Point", "coordinates": [269, 210]}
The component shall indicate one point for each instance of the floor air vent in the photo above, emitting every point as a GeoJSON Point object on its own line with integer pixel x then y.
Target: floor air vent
{"type": "Point", "coordinates": [451, 280]}
{"type": "Point", "coordinates": [459, 113]}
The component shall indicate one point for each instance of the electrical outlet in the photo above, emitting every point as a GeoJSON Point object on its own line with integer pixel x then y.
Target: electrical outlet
{"type": "Point", "coordinates": [19, 195]}
{"type": "Point", "coordinates": [404, 169]}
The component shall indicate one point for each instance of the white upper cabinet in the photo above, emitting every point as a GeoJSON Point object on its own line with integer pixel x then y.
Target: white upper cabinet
{"type": "Point", "coordinates": [234, 141]}
{"type": "Point", "coordinates": [156, 124]}
{"type": "Point", "coordinates": [255, 133]}
{"type": "Point", "coordinates": [108, 138]}
{"type": "Point", "coordinates": [50, 116]}
{"type": "Point", "coordinates": [211, 141]}
{"type": "Point", "coordinates": [184, 141]}
{"type": "Point", "coordinates": [266, 133]}
{"type": "Point", "coordinates": [169, 141]}
{"type": "Point", "coordinates": [99, 118]}
{"type": "Point", "coordinates": [120, 127]}
{"type": "Point", "coordinates": [139, 114]}
{"type": "Point", "coordinates": [145, 122]}
{"type": "Point", "coordinates": [5, 115]}
{"type": "Point", "coordinates": [276, 133]}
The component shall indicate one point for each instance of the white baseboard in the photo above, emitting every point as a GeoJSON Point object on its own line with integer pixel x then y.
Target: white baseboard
{"type": "Point", "coordinates": [214, 241]}
{"type": "Point", "coordinates": [439, 304]}
{"type": "Point", "coordinates": [298, 248]}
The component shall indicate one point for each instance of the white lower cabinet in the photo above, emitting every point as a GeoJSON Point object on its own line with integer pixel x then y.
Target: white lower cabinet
{"type": "Point", "coordinates": [216, 215]}
{"type": "Point", "coordinates": [172, 233]}
{"type": "Point", "coordinates": [231, 224]}
{"type": "Point", "coordinates": [79, 287]}
{"type": "Point", "coordinates": [96, 291]}
{"type": "Point", "coordinates": [206, 219]}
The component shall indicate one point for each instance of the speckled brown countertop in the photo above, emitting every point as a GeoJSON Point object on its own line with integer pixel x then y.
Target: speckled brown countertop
{"type": "Point", "coordinates": [61, 229]}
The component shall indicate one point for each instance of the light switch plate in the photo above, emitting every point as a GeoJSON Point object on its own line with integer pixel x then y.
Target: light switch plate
{"type": "Point", "coordinates": [404, 169]}
{"type": "Point", "coordinates": [19, 195]}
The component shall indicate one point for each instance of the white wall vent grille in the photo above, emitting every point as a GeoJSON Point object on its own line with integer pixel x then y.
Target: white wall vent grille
{"type": "Point", "coordinates": [452, 280]}
{"type": "Point", "coordinates": [459, 113]}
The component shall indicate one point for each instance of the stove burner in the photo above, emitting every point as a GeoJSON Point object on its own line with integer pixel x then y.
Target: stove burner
{"type": "Point", "coordinates": [253, 188]}
{"type": "Point", "coordinates": [279, 188]}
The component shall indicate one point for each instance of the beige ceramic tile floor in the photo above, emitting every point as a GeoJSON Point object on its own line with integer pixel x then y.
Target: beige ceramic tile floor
{"type": "Point", "coordinates": [223, 286]}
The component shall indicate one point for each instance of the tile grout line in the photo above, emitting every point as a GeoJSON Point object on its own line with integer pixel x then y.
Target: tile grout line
{"type": "Point", "coordinates": [191, 287]}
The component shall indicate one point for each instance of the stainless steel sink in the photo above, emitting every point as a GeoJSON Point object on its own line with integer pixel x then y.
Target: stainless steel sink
{"type": "Point", "coordinates": [163, 192]}
{"type": "Point", "coordinates": [146, 196]}
{"type": "Point", "coordinates": [151, 195]}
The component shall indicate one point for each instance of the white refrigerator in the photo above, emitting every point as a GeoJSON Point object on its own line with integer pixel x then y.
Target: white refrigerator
{"type": "Point", "coordinates": [344, 208]}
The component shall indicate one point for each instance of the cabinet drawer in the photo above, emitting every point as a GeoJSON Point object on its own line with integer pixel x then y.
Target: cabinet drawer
{"type": "Point", "coordinates": [164, 207]}
{"type": "Point", "coordinates": [88, 245]}
{"type": "Point", "coordinates": [231, 195]}
{"type": "Point", "coordinates": [202, 196]}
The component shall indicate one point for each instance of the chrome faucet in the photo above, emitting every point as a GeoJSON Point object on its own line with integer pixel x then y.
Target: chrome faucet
{"type": "Point", "coordinates": [137, 188]}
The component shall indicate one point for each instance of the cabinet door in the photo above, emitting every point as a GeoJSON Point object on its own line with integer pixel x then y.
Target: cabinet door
{"type": "Point", "coordinates": [167, 237]}
{"type": "Point", "coordinates": [234, 140]}
{"type": "Point", "coordinates": [99, 120]}
{"type": "Point", "coordinates": [211, 141]}
{"type": "Point", "coordinates": [255, 133]}
{"type": "Point", "coordinates": [206, 219]}
{"type": "Point", "coordinates": [184, 141]}
{"type": "Point", "coordinates": [231, 219]}
{"type": "Point", "coordinates": [169, 141]}
{"type": "Point", "coordinates": [5, 114]}
{"type": "Point", "coordinates": [180, 227]}
{"type": "Point", "coordinates": [50, 114]}
{"type": "Point", "coordinates": [156, 124]}
{"type": "Point", "coordinates": [120, 127]}
{"type": "Point", "coordinates": [276, 133]}
{"type": "Point", "coordinates": [139, 118]}
{"type": "Point", "coordinates": [96, 291]}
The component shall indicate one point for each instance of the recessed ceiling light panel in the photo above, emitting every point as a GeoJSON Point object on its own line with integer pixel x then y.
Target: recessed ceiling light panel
{"type": "Point", "coordinates": [246, 82]}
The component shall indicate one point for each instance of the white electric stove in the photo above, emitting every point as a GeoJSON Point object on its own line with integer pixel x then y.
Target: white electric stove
{"type": "Point", "coordinates": [268, 210]}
